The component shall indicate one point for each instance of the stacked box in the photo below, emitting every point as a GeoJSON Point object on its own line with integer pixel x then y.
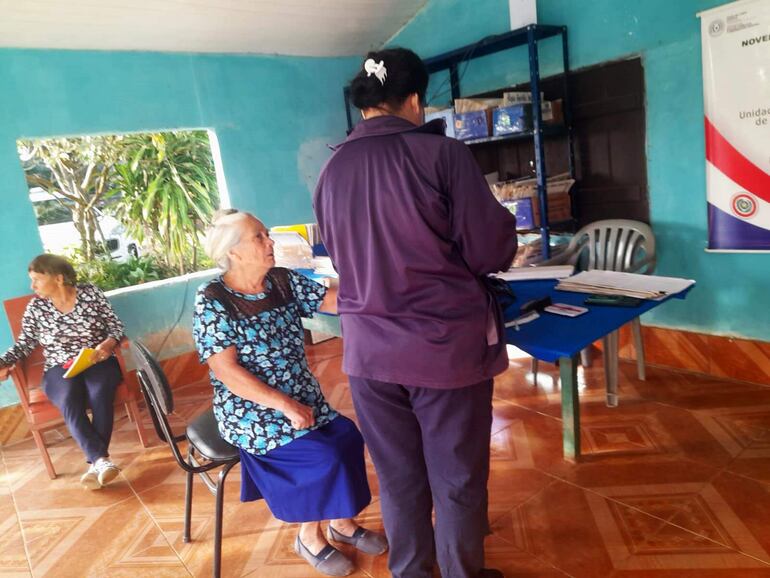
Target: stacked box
{"type": "Point", "coordinates": [448, 116]}
{"type": "Point", "coordinates": [512, 119]}
{"type": "Point", "coordinates": [469, 125]}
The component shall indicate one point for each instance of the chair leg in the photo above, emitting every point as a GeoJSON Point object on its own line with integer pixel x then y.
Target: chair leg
{"type": "Point", "coordinates": [38, 437]}
{"type": "Point", "coordinates": [188, 498]}
{"type": "Point", "coordinates": [132, 409]}
{"type": "Point", "coordinates": [611, 368]}
{"type": "Point", "coordinates": [636, 329]}
{"type": "Point", "coordinates": [220, 498]}
{"type": "Point", "coordinates": [535, 367]}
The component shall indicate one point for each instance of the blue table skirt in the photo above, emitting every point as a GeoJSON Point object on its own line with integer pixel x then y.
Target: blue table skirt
{"type": "Point", "coordinates": [553, 336]}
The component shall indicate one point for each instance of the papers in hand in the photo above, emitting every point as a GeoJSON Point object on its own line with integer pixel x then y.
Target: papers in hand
{"type": "Point", "coordinates": [527, 273]}
{"type": "Point", "coordinates": [82, 361]}
{"type": "Point", "coordinates": [630, 284]}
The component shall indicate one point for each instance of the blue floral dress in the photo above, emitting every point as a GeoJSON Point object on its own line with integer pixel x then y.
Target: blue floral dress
{"type": "Point", "coordinates": [304, 475]}
{"type": "Point", "coordinates": [270, 344]}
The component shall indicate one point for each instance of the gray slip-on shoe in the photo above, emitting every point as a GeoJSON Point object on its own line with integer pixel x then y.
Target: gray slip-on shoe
{"type": "Point", "coordinates": [329, 560]}
{"type": "Point", "coordinates": [365, 540]}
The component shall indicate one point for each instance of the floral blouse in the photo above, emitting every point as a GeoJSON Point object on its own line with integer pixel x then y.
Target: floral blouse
{"type": "Point", "coordinates": [266, 330]}
{"type": "Point", "coordinates": [63, 335]}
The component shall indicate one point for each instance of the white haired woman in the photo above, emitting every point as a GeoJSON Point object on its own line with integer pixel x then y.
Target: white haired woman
{"type": "Point", "coordinates": [305, 459]}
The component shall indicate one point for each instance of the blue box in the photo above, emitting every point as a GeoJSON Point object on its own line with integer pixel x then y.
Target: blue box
{"type": "Point", "coordinates": [522, 210]}
{"type": "Point", "coordinates": [472, 124]}
{"type": "Point", "coordinates": [448, 116]}
{"type": "Point", "coordinates": [512, 119]}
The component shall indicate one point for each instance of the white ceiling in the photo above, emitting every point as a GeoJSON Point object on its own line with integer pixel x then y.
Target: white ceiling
{"type": "Point", "coordinates": [291, 27]}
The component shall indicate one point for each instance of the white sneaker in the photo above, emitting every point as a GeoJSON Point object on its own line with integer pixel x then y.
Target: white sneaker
{"type": "Point", "coordinates": [90, 480]}
{"type": "Point", "coordinates": [106, 471]}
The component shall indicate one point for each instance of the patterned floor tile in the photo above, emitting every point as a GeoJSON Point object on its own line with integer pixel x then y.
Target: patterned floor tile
{"type": "Point", "coordinates": [656, 494]}
{"type": "Point", "coordinates": [13, 557]}
{"type": "Point", "coordinates": [116, 540]}
{"type": "Point", "coordinates": [592, 536]}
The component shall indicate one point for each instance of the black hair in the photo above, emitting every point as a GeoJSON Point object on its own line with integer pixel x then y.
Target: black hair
{"type": "Point", "coordinates": [406, 74]}
{"type": "Point", "coordinates": [49, 264]}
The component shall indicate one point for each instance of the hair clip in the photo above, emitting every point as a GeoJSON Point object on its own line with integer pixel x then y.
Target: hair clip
{"type": "Point", "coordinates": [379, 70]}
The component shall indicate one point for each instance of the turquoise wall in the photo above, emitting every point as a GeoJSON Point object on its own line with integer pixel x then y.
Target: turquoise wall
{"type": "Point", "coordinates": [731, 297]}
{"type": "Point", "coordinates": [273, 117]}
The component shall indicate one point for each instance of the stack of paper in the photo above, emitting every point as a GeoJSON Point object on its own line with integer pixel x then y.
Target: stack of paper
{"type": "Point", "coordinates": [630, 284]}
{"type": "Point", "coordinates": [527, 273]}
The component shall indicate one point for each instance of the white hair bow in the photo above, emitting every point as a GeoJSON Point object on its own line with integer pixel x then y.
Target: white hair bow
{"type": "Point", "coordinates": [376, 68]}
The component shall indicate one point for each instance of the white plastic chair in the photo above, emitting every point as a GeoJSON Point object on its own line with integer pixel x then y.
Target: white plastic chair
{"type": "Point", "coordinates": [612, 245]}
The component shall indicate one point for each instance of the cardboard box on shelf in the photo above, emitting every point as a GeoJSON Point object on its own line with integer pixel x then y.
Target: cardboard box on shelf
{"type": "Point", "coordinates": [522, 210]}
{"type": "Point", "coordinates": [523, 188]}
{"type": "Point", "coordinates": [473, 124]}
{"type": "Point", "coordinates": [449, 119]}
{"type": "Point", "coordinates": [520, 197]}
{"type": "Point", "coordinates": [519, 97]}
{"type": "Point", "coordinates": [555, 112]}
{"type": "Point", "coordinates": [512, 119]}
{"type": "Point", "coordinates": [472, 104]}
{"type": "Point", "coordinates": [527, 210]}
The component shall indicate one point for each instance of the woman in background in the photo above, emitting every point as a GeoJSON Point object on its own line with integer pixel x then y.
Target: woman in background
{"type": "Point", "coordinates": [64, 317]}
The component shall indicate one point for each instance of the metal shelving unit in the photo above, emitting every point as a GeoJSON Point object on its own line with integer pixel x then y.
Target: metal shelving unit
{"type": "Point", "coordinates": [528, 36]}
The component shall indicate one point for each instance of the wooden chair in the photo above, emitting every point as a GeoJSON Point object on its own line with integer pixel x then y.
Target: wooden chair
{"type": "Point", "coordinates": [41, 414]}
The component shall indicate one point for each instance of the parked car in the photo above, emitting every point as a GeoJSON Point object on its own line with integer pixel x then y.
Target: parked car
{"type": "Point", "coordinates": [58, 232]}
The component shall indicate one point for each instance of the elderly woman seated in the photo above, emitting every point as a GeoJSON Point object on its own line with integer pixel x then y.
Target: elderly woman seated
{"type": "Point", "coordinates": [63, 318]}
{"type": "Point", "coordinates": [305, 459]}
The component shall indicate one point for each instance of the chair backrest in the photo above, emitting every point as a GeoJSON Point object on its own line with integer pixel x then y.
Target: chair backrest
{"type": "Point", "coordinates": [157, 395]}
{"type": "Point", "coordinates": [614, 245]}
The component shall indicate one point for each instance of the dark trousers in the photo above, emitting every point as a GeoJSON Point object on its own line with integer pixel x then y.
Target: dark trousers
{"type": "Point", "coordinates": [95, 389]}
{"type": "Point", "coordinates": [430, 448]}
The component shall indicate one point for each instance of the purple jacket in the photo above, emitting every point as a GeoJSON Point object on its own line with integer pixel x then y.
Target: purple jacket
{"type": "Point", "coordinates": [411, 226]}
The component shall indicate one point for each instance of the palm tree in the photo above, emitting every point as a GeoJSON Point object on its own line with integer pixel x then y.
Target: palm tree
{"type": "Point", "coordinates": [166, 191]}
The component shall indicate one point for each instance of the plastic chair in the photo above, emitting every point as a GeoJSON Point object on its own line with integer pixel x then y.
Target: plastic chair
{"type": "Point", "coordinates": [203, 440]}
{"type": "Point", "coordinates": [40, 413]}
{"type": "Point", "coordinates": [612, 245]}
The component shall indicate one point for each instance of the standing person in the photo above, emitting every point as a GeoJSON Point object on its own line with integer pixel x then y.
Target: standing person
{"type": "Point", "coordinates": [412, 228]}
{"type": "Point", "coordinates": [304, 458]}
{"type": "Point", "coordinates": [63, 318]}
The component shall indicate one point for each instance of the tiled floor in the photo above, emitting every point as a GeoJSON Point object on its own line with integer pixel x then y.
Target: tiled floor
{"type": "Point", "coordinates": [675, 482]}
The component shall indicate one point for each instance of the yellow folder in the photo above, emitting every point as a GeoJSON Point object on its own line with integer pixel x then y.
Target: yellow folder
{"type": "Point", "coordinates": [83, 361]}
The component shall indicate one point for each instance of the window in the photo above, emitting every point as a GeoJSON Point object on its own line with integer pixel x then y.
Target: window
{"type": "Point", "coordinates": [124, 208]}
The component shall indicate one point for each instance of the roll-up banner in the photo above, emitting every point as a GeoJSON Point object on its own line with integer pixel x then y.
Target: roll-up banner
{"type": "Point", "coordinates": [735, 40]}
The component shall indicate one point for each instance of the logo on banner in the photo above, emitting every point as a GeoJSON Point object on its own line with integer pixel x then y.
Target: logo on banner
{"type": "Point", "coordinates": [716, 27]}
{"type": "Point", "coordinates": [744, 205]}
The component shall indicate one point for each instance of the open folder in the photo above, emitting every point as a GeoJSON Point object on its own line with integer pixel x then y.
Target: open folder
{"type": "Point", "coordinates": [82, 361]}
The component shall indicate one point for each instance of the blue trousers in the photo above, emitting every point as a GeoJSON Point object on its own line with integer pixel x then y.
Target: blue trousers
{"type": "Point", "coordinates": [430, 448]}
{"type": "Point", "coordinates": [95, 389]}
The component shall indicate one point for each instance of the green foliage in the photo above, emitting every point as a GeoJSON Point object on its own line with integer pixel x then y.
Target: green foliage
{"type": "Point", "coordinates": [108, 274]}
{"type": "Point", "coordinates": [76, 171]}
{"type": "Point", "coordinates": [161, 186]}
{"type": "Point", "coordinates": [166, 192]}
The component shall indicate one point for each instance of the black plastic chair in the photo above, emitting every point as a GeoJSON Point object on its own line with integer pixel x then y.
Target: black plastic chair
{"type": "Point", "coordinates": [202, 437]}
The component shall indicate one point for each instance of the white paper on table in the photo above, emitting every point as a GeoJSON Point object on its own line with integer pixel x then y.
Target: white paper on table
{"type": "Point", "coordinates": [632, 284]}
{"type": "Point", "coordinates": [526, 273]}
